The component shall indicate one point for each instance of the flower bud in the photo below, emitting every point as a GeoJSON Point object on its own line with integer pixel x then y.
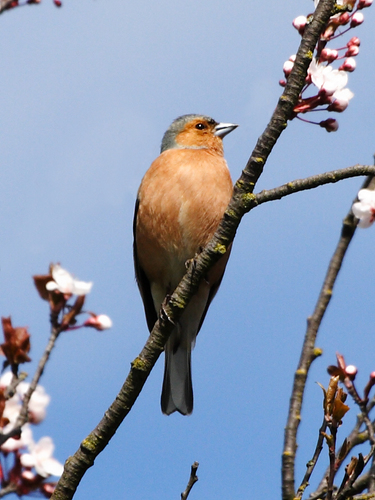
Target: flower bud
{"type": "Point", "coordinates": [299, 23]}
{"type": "Point", "coordinates": [344, 18]}
{"type": "Point", "coordinates": [100, 322]}
{"type": "Point", "coordinates": [331, 125]}
{"type": "Point", "coordinates": [362, 4]}
{"type": "Point", "coordinates": [348, 65]}
{"type": "Point", "coordinates": [353, 50]}
{"type": "Point", "coordinates": [351, 372]}
{"type": "Point", "coordinates": [328, 55]}
{"type": "Point", "coordinates": [357, 19]}
{"type": "Point", "coordinates": [354, 41]}
{"type": "Point", "coordinates": [287, 68]}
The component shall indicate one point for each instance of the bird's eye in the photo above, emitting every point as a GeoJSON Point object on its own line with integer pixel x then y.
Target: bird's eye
{"type": "Point", "coordinates": [200, 126]}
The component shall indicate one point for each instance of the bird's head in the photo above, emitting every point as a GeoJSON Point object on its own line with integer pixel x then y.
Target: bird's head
{"type": "Point", "coordinates": [196, 132]}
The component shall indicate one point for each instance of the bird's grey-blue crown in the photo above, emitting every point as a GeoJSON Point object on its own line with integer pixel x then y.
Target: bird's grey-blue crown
{"type": "Point", "coordinates": [169, 138]}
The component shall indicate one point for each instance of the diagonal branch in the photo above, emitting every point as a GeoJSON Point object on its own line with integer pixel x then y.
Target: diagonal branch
{"type": "Point", "coordinates": [77, 465]}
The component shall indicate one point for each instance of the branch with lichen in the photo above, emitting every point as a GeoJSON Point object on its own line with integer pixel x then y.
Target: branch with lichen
{"type": "Point", "coordinates": [77, 465]}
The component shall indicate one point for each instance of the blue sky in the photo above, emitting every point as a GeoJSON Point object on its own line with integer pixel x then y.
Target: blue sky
{"type": "Point", "coordinates": [87, 93]}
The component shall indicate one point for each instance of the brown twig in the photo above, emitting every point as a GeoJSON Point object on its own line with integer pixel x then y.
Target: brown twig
{"type": "Point", "coordinates": [311, 182]}
{"type": "Point", "coordinates": [23, 416]}
{"type": "Point", "coordinates": [10, 488]}
{"type": "Point", "coordinates": [311, 463]}
{"type": "Point", "coordinates": [192, 480]}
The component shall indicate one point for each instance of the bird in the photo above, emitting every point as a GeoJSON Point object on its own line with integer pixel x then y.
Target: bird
{"type": "Point", "coordinates": [180, 202]}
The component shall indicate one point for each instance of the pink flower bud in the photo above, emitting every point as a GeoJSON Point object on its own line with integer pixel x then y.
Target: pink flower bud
{"type": "Point", "coordinates": [58, 3]}
{"type": "Point", "coordinates": [357, 19]}
{"type": "Point", "coordinates": [348, 65]}
{"type": "Point", "coordinates": [282, 83]}
{"type": "Point", "coordinates": [331, 125]}
{"type": "Point", "coordinates": [100, 322]}
{"type": "Point", "coordinates": [328, 55]}
{"type": "Point", "coordinates": [351, 371]}
{"type": "Point", "coordinates": [354, 41]}
{"type": "Point", "coordinates": [28, 476]}
{"type": "Point", "coordinates": [372, 375]}
{"type": "Point", "coordinates": [299, 23]}
{"type": "Point", "coordinates": [287, 68]}
{"type": "Point", "coordinates": [362, 4]}
{"type": "Point", "coordinates": [353, 50]}
{"type": "Point", "coordinates": [344, 18]}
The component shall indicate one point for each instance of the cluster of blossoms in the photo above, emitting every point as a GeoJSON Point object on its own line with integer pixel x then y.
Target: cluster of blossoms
{"type": "Point", "coordinates": [332, 95]}
{"type": "Point", "coordinates": [22, 405]}
{"type": "Point", "coordinates": [58, 288]}
{"type": "Point", "coordinates": [25, 466]}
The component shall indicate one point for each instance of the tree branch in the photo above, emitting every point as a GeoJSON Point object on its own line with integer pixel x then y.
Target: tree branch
{"type": "Point", "coordinates": [76, 466]}
{"type": "Point", "coordinates": [192, 480]}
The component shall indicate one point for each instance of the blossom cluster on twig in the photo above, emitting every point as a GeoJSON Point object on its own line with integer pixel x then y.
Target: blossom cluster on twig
{"type": "Point", "coordinates": [331, 83]}
{"type": "Point", "coordinates": [66, 296]}
{"type": "Point", "coordinates": [25, 465]}
{"type": "Point", "coordinates": [22, 404]}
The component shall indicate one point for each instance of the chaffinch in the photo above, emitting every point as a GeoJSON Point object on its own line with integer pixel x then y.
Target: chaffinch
{"type": "Point", "coordinates": [180, 203]}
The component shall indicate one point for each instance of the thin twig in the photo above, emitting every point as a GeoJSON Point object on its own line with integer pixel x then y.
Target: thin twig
{"type": "Point", "coordinates": [311, 182]}
{"type": "Point", "coordinates": [11, 488]}
{"type": "Point", "coordinates": [192, 480]}
{"type": "Point", "coordinates": [311, 463]}
{"type": "Point", "coordinates": [23, 416]}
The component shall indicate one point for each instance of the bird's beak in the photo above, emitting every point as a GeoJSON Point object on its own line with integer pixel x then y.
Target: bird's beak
{"type": "Point", "coordinates": [222, 129]}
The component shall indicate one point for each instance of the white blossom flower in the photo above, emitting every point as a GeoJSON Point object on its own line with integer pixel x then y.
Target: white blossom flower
{"type": "Point", "coordinates": [364, 209]}
{"type": "Point", "coordinates": [6, 379]}
{"type": "Point", "coordinates": [65, 283]}
{"type": "Point", "coordinates": [341, 100]}
{"type": "Point", "coordinates": [326, 78]}
{"type": "Point", "coordinates": [38, 402]}
{"type": "Point", "coordinates": [40, 458]}
{"type": "Point", "coordinates": [13, 444]}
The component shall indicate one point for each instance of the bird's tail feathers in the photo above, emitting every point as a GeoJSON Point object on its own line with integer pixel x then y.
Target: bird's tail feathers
{"type": "Point", "coordinates": [177, 393]}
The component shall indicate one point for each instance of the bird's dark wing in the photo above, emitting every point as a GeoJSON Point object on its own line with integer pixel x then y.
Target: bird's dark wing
{"type": "Point", "coordinates": [142, 281]}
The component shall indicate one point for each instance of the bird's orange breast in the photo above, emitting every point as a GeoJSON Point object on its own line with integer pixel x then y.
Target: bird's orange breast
{"type": "Point", "coordinates": [182, 199]}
